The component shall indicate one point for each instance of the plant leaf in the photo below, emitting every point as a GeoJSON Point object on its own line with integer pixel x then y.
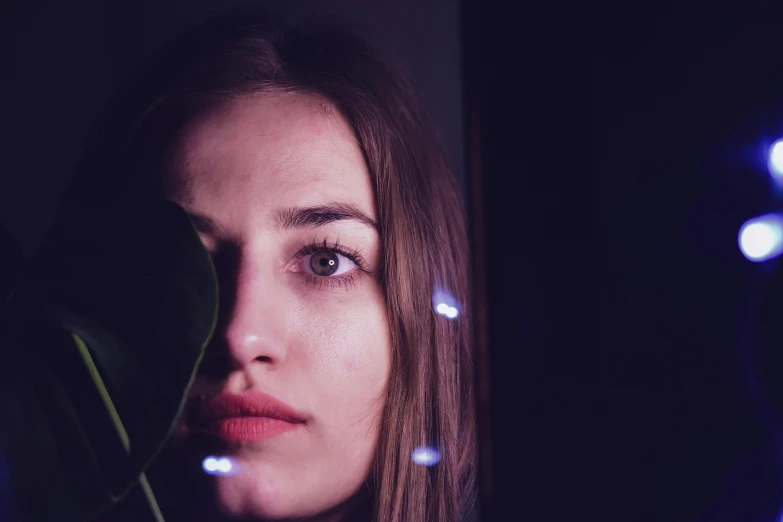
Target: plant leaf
{"type": "Point", "coordinates": [133, 281]}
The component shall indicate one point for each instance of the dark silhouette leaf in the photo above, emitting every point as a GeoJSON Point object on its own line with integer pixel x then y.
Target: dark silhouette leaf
{"type": "Point", "coordinates": [111, 322]}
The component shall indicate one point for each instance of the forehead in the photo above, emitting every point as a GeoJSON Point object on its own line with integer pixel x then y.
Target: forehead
{"type": "Point", "coordinates": [267, 152]}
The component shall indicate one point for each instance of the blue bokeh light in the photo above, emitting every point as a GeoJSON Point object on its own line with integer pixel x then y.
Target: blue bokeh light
{"type": "Point", "coordinates": [217, 466]}
{"type": "Point", "coordinates": [209, 464]}
{"type": "Point", "coordinates": [224, 465]}
{"type": "Point", "coordinates": [445, 304]}
{"type": "Point", "coordinates": [449, 311]}
{"type": "Point", "coordinates": [425, 456]}
{"type": "Point", "coordinates": [761, 238]}
{"type": "Point", "coordinates": [775, 162]}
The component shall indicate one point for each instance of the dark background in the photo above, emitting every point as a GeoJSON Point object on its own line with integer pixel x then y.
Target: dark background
{"type": "Point", "coordinates": [623, 146]}
{"type": "Point", "coordinates": [614, 151]}
{"type": "Point", "coordinates": [687, 96]}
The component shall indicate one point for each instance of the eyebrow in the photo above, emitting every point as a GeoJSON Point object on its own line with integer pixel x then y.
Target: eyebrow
{"type": "Point", "coordinates": [320, 215]}
{"type": "Point", "coordinates": [298, 217]}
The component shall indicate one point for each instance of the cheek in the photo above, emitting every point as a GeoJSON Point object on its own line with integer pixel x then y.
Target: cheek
{"type": "Point", "coordinates": [350, 365]}
{"type": "Point", "coordinates": [348, 346]}
{"type": "Point", "coordinates": [362, 360]}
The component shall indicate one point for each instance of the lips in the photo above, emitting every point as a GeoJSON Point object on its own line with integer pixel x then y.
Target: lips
{"type": "Point", "coordinates": [244, 417]}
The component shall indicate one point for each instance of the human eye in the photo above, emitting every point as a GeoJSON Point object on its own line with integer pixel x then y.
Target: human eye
{"type": "Point", "coordinates": [329, 264]}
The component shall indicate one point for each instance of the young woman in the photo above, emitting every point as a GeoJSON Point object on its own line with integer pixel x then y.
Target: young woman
{"type": "Point", "coordinates": [319, 185]}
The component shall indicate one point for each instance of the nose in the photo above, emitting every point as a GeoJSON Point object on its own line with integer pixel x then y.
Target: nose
{"type": "Point", "coordinates": [250, 323]}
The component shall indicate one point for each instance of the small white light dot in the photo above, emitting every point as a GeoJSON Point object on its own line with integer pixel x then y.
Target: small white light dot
{"type": "Point", "coordinates": [761, 238]}
{"type": "Point", "coordinates": [443, 308]}
{"type": "Point", "coordinates": [776, 159]}
{"type": "Point", "coordinates": [210, 464]}
{"type": "Point", "coordinates": [224, 465]}
{"type": "Point", "coordinates": [425, 456]}
{"type": "Point", "coordinates": [452, 312]}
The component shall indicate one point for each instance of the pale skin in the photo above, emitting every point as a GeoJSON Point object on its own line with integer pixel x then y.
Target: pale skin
{"type": "Point", "coordinates": [319, 346]}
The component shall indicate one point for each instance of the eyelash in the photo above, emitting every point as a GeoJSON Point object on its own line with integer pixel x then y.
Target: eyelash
{"type": "Point", "coordinates": [342, 281]}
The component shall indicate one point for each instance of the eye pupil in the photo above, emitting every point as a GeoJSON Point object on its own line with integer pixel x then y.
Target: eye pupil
{"type": "Point", "coordinates": [324, 263]}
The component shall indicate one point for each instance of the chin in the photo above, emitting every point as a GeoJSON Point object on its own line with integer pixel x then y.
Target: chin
{"type": "Point", "coordinates": [251, 500]}
{"type": "Point", "coordinates": [258, 489]}
{"type": "Point", "coordinates": [258, 497]}
{"type": "Point", "coordinates": [263, 498]}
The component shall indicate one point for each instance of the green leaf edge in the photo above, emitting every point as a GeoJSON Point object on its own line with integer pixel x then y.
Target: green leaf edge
{"type": "Point", "coordinates": [102, 391]}
{"type": "Point", "coordinates": [116, 421]}
{"type": "Point", "coordinates": [109, 404]}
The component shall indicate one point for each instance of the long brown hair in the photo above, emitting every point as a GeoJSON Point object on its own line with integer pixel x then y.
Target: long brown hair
{"type": "Point", "coordinates": [425, 250]}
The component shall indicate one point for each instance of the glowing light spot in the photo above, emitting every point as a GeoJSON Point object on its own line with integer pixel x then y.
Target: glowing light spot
{"type": "Point", "coordinates": [425, 456]}
{"type": "Point", "coordinates": [449, 311]}
{"type": "Point", "coordinates": [210, 464]}
{"type": "Point", "coordinates": [224, 465]}
{"type": "Point", "coordinates": [219, 466]}
{"type": "Point", "coordinates": [776, 160]}
{"type": "Point", "coordinates": [761, 238]}
{"type": "Point", "coordinates": [445, 304]}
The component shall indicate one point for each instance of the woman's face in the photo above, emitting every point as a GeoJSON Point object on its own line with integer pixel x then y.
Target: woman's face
{"type": "Point", "coordinates": [263, 178]}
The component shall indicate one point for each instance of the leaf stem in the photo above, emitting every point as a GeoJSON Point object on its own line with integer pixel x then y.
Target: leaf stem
{"type": "Point", "coordinates": [116, 421]}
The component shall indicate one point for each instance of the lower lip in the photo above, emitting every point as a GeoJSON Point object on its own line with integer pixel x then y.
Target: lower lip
{"type": "Point", "coordinates": [242, 429]}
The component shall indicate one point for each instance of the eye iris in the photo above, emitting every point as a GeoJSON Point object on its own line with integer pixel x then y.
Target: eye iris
{"type": "Point", "coordinates": [324, 263]}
